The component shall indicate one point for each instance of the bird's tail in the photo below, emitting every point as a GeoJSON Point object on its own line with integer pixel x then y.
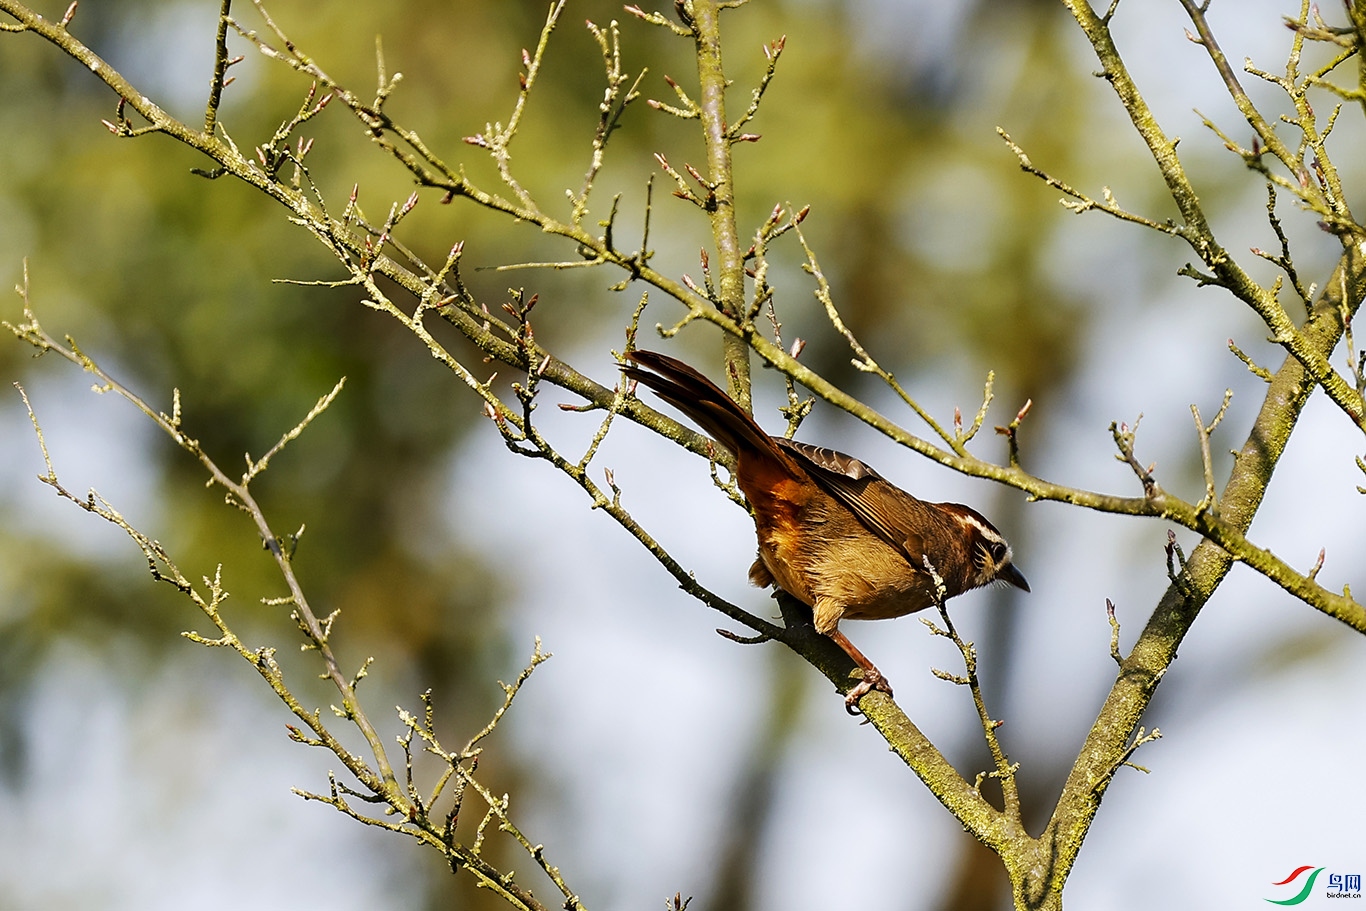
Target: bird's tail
{"type": "Point", "coordinates": [703, 401]}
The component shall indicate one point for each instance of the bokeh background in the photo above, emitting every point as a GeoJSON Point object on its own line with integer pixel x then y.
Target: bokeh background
{"type": "Point", "coordinates": [140, 771]}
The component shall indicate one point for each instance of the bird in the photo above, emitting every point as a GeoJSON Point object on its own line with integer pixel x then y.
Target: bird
{"type": "Point", "coordinates": [832, 532]}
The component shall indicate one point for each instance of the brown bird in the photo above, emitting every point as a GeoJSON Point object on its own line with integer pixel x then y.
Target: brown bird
{"type": "Point", "coordinates": [833, 533]}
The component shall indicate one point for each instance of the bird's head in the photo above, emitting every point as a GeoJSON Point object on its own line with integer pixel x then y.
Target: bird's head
{"type": "Point", "coordinates": [988, 551]}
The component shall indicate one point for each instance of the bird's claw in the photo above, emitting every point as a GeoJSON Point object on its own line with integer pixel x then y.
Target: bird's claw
{"type": "Point", "coordinates": [872, 680]}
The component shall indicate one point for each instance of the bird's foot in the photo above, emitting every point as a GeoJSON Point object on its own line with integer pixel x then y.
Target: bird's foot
{"type": "Point", "coordinates": [872, 680]}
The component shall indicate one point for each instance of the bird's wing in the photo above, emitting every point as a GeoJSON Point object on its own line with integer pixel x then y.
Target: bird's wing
{"type": "Point", "coordinates": [887, 510]}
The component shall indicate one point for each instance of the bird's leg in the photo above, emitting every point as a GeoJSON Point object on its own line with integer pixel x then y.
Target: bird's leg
{"type": "Point", "coordinates": [872, 677]}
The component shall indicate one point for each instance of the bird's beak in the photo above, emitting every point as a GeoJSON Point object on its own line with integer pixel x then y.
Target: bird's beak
{"type": "Point", "coordinates": [1012, 575]}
